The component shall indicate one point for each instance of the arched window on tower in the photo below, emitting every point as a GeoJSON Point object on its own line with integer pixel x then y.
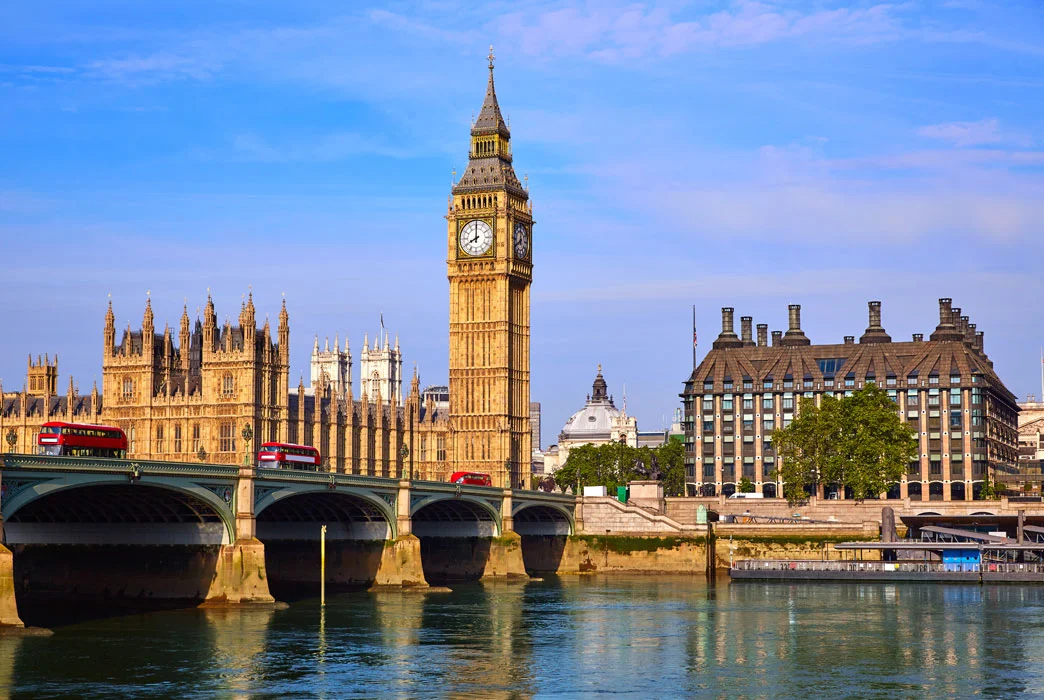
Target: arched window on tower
{"type": "Point", "coordinates": [228, 384]}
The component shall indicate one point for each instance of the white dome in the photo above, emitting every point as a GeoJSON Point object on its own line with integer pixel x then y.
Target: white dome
{"type": "Point", "coordinates": [595, 420]}
{"type": "Point", "coordinates": [592, 421]}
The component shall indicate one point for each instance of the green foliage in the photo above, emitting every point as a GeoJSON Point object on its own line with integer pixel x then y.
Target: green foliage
{"type": "Point", "coordinates": [989, 490]}
{"type": "Point", "coordinates": [615, 463]}
{"type": "Point", "coordinates": [746, 485]}
{"type": "Point", "coordinates": [857, 441]}
{"type": "Point", "coordinates": [619, 544]}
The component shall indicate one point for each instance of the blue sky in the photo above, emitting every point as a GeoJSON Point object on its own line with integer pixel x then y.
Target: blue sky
{"type": "Point", "coordinates": [711, 153]}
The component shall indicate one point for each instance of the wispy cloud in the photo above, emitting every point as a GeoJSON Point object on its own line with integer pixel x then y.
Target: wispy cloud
{"type": "Point", "coordinates": [329, 147]}
{"type": "Point", "coordinates": [151, 68]}
{"type": "Point", "coordinates": [982, 132]}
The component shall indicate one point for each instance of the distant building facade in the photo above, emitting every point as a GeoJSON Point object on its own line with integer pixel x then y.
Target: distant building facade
{"type": "Point", "coordinates": [945, 387]}
{"type": "Point", "coordinates": [597, 423]}
{"type": "Point", "coordinates": [1031, 442]}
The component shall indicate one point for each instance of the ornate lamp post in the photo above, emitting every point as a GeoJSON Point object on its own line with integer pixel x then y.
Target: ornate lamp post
{"type": "Point", "coordinates": [12, 438]}
{"type": "Point", "coordinates": [248, 435]}
{"type": "Point", "coordinates": [404, 452]}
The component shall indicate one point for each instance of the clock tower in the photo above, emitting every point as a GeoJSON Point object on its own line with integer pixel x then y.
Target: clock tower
{"type": "Point", "coordinates": [490, 268]}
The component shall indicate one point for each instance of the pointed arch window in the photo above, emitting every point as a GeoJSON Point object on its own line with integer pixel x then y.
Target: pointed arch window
{"type": "Point", "coordinates": [228, 384]}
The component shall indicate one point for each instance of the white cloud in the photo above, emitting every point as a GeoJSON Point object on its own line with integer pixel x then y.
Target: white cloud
{"type": "Point", "coordinates": [985, 131]}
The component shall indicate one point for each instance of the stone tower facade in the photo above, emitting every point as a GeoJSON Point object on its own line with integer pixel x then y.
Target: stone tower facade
{"type": "Point", "coordinates": [489, 260]}
{"type": "Point", "coordinates": [332, 366]}
{"type": "Point", "coordinates": [42, 376]}
{"type": "Point", "coordinates": [380, 369]}
{"type": "Point", "coordinates": [192, 398]}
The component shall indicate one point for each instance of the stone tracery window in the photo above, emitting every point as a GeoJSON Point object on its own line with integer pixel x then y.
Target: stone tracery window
{"type": "Point", "coordinates": [228, 384]}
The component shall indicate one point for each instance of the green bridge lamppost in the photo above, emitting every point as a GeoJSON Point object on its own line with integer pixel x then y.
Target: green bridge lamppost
{"type": "Point", "coordinates": [248, 435]}
{"type": "Point", "coordinates": [404, 452]}
{"type": "Point", "coordinates": [12, 438]}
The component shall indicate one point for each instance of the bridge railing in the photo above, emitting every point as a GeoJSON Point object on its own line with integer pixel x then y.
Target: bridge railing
{"type": "Point", "coordinates": [106, 465]}
{"type": "Point", "coordinates": [336, 478]}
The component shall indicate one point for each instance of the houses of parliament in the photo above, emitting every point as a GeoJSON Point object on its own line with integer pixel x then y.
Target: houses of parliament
{"type": "Point", "coordinates": [189, 395]}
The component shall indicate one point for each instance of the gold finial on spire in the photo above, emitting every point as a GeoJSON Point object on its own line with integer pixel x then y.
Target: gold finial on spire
{"type": "Point", "coordinates": [454, 181]}
{"type": "Point", "coordinates": [148, 292]}
{"type": "Point", "coordinates": [599, 368]}
{"type": "Point", "coordinates": [526, 178]}
{"type": "Point", "coordinates": [491, 58]}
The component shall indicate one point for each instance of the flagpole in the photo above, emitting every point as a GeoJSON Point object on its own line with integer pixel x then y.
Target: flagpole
{"type": "Point", "coordinates": [1042, 374]}
{"type": "Point", "coordinates": [694, 343]}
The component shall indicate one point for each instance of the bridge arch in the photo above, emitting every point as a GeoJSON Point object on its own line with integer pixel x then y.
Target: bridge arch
{"type": "Point", "coordinates": [455, 516]}
{"type": "Point", "coordinates": [164, 511]}
{"type": "Point", "coordinates": [349, 513]}
{"type": "Point", "coordinates": [543, 519]}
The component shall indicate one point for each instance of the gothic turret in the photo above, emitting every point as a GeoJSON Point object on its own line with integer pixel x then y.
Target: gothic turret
{"type": "Point", "coordinates": [110, 331]}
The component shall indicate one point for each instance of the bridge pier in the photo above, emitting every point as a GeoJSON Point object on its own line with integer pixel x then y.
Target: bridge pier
{"type": "Point", "coordinates": [505, 552]}
{"type": "Point", "coordinates": [505, 558]}
{"type": "Point", "coordinates": [8, 604]}
{"type": "Point", "coordinates": [401, 563]}
{"type": "Point", "coordinates": [241, 576]}
{"type": "Point", "coordinates": [401, 559]}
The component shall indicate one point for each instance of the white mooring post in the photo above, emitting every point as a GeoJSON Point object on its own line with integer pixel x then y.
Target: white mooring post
{"type": "Point", "coordinates": [322, 566]}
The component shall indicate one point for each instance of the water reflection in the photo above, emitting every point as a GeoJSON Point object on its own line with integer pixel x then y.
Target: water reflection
{"type": "Point", "coordinates": [9, 647]}
{"type": "Point", "coordinates": [631, 637]}
{"type": "Point", "coordinates": [239, 639]}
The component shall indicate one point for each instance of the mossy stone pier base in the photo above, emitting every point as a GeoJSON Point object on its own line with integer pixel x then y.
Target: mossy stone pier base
{"type": "Point", "coordinates": [8, 606]}
{"type": "Point", "coordinates": [401, 563]}
{"type": "Point", "coordinates": [240, 576]}
{"type": "Point", "coordinates": [505, 558]}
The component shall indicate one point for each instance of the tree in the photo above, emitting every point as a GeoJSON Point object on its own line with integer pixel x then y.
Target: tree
{"type": "Point", "coordinates": [988, 492]}
{"type": "Point", "coordinates": [746, 485]}
{"type": "Point", "coordinates": [580, 468]}
{"type": "Point", "coordinates": [670, 459]}
{"type": "Point", "coordinates": [614, 464]}
{"type": "Point", "coordinates": [858, 441]}
{"type": "Point", "coordinates": [805, 446]}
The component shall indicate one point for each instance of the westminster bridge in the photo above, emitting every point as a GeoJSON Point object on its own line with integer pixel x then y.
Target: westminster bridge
{"type": "Point", "coordinates": [89, 528]}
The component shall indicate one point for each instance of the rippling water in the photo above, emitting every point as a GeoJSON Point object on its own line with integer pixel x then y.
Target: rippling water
{"type": "Point", "coordinates": [621, 636]}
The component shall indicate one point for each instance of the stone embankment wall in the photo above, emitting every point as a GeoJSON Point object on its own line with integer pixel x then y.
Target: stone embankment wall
{"type": "Point", "coordinates": [614, 537]}
{"type": "Point", "coordinates": [604, 515]}
{"type": "Point", "coordinates": [584, 554]}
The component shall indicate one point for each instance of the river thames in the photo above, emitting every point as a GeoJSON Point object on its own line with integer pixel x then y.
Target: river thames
{"type": "Point", "coordinates": [570, 637]}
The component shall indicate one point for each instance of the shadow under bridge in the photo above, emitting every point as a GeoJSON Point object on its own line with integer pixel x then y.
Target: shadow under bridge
{"type": "Point", "coordinates": [289, 525]}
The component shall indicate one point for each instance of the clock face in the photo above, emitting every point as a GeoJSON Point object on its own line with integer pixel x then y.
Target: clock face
{"type": "Point", "coordinates": [521, 240]}
{"type": "Point", "coordinates": [476, 237]}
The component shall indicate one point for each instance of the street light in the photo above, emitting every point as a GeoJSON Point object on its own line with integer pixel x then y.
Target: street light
{"type": "Point", "coordinates": [248, 434]}
{"type": "Point", "coordinates": [404, 452]}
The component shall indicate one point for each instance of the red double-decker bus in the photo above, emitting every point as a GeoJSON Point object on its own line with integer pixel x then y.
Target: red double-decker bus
{"type": "Point", "coordinates": [81, 440]}
{"type": "Point", "coordinates": [279, 455]}
{"type": "Point", "coordinates": [472, 478]}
